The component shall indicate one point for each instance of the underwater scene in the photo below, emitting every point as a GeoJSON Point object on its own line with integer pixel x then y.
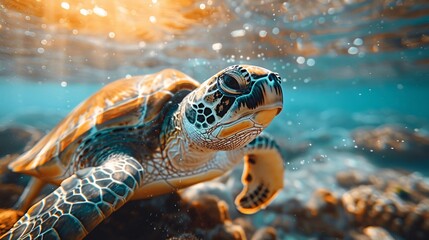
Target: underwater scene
{"type": "Point", "coordinates": [353, 131]}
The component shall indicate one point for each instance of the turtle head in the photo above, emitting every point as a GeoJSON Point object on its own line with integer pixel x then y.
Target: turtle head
{"type": "Point", "coordinates": [232, 107]}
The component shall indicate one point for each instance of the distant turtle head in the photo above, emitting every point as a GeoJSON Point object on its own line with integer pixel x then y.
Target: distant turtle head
{"type": "Point", "coordinates": [231, 108]}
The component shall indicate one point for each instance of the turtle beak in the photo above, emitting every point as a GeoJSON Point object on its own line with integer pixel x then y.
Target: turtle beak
{"type": "Point", "coordinates": [265, 117]}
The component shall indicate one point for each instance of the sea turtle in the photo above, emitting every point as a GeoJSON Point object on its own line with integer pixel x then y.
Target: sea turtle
{"type": "Point", "coordinates": [148, 135]}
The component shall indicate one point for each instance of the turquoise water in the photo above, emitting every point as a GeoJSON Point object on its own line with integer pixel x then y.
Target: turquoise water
{"type": "Point", "coordinates": [407, 99]}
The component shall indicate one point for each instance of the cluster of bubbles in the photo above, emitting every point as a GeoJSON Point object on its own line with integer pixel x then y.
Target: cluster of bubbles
{"type": "Point", "coordinates": [355, 48]}
{"type": "Point", "coordinates": [310, 61]}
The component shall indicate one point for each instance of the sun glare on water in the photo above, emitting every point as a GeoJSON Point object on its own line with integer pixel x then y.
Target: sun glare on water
{"type": "Point", "coordinates": [129, 20]}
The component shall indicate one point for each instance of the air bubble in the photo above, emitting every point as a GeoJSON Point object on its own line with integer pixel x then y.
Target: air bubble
{"type": "Point", "coordinates": [100, 11]}
{"type": "Point", "coordinates": [248, 27]}
{"type": "Point", "coordinates": [262, 33]}
{"type": "Point", "coordinates": [276, 31]}
{"type": "Point", "coordinates": [353, 50]}
{"type": "Point", "coordinates": [217, 46]}
{"type": "Point", "coordinates": [84, 12]}
{"type": "Point", "coordinates": [65, 5]}
{"type": "Point", "coordinates": [311, 62]}
{"type": "Point", "coordinates": [30, 34]}
{"type": "Point", "coordinates": [358, 42]}
{"type": "Point", "coordinates": [238, 33]}
{"type": "Point", "coordinates": [300, 60]}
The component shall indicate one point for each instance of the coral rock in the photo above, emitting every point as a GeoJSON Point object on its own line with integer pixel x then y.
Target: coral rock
{"type": "Point", "coordinates": [227, 231]}
{"type": "Point", "coordinates": [368, 206]}
{"type": "Point", "coordinates": [320, 217]}
{"type": "Point", "coordinates": [247, 226]}
{"type": "Point", "coordinates": [323, 202]}
{"type": "Point", "coordinates": [352, 178]}
{"type": "Point", "coordinates": [392, 141]}
{"type": "Point", "coordinates": [266, 233]}
{"type": "Point", "coordinates": [371, 233]}
{"type": "Point", "coordinates": [375, 233]}
{"type": "Point", "coordinates": [208, 211]}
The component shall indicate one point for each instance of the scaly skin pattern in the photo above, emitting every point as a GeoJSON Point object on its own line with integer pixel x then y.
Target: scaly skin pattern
{"type": "Point", "coordinates": [152, 135]}
{"type": "Point", "coordinates": [81, 202]}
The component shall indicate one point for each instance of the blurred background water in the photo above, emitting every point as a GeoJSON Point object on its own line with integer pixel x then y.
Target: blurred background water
{"type": "Point", "coordinates": [355, 72]}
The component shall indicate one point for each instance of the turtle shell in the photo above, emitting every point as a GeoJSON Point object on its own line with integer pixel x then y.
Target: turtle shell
{"type": "Point", "coordinates": [126, 102]}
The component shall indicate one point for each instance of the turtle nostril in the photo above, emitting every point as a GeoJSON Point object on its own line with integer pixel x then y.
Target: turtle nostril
{"type": "Point", "coordinates": [274, 77]}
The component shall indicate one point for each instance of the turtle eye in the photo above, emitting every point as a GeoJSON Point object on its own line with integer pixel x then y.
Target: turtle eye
{"type": "Point", "coordinates": [232, 83]}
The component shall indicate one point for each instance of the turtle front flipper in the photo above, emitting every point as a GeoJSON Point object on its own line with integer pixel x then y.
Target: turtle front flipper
{"type": "Point", "coordinates": [81, 202]}
{"type": "Point", "coordinates": [262, 176]}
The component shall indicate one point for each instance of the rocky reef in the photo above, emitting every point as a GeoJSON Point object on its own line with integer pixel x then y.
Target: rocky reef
{"type": "Point", "coordinates": [386, 203]}
{"type": "Point", "coordinates": [398, 202]}
{"type": "Point", "coordinates": [392, 142]}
